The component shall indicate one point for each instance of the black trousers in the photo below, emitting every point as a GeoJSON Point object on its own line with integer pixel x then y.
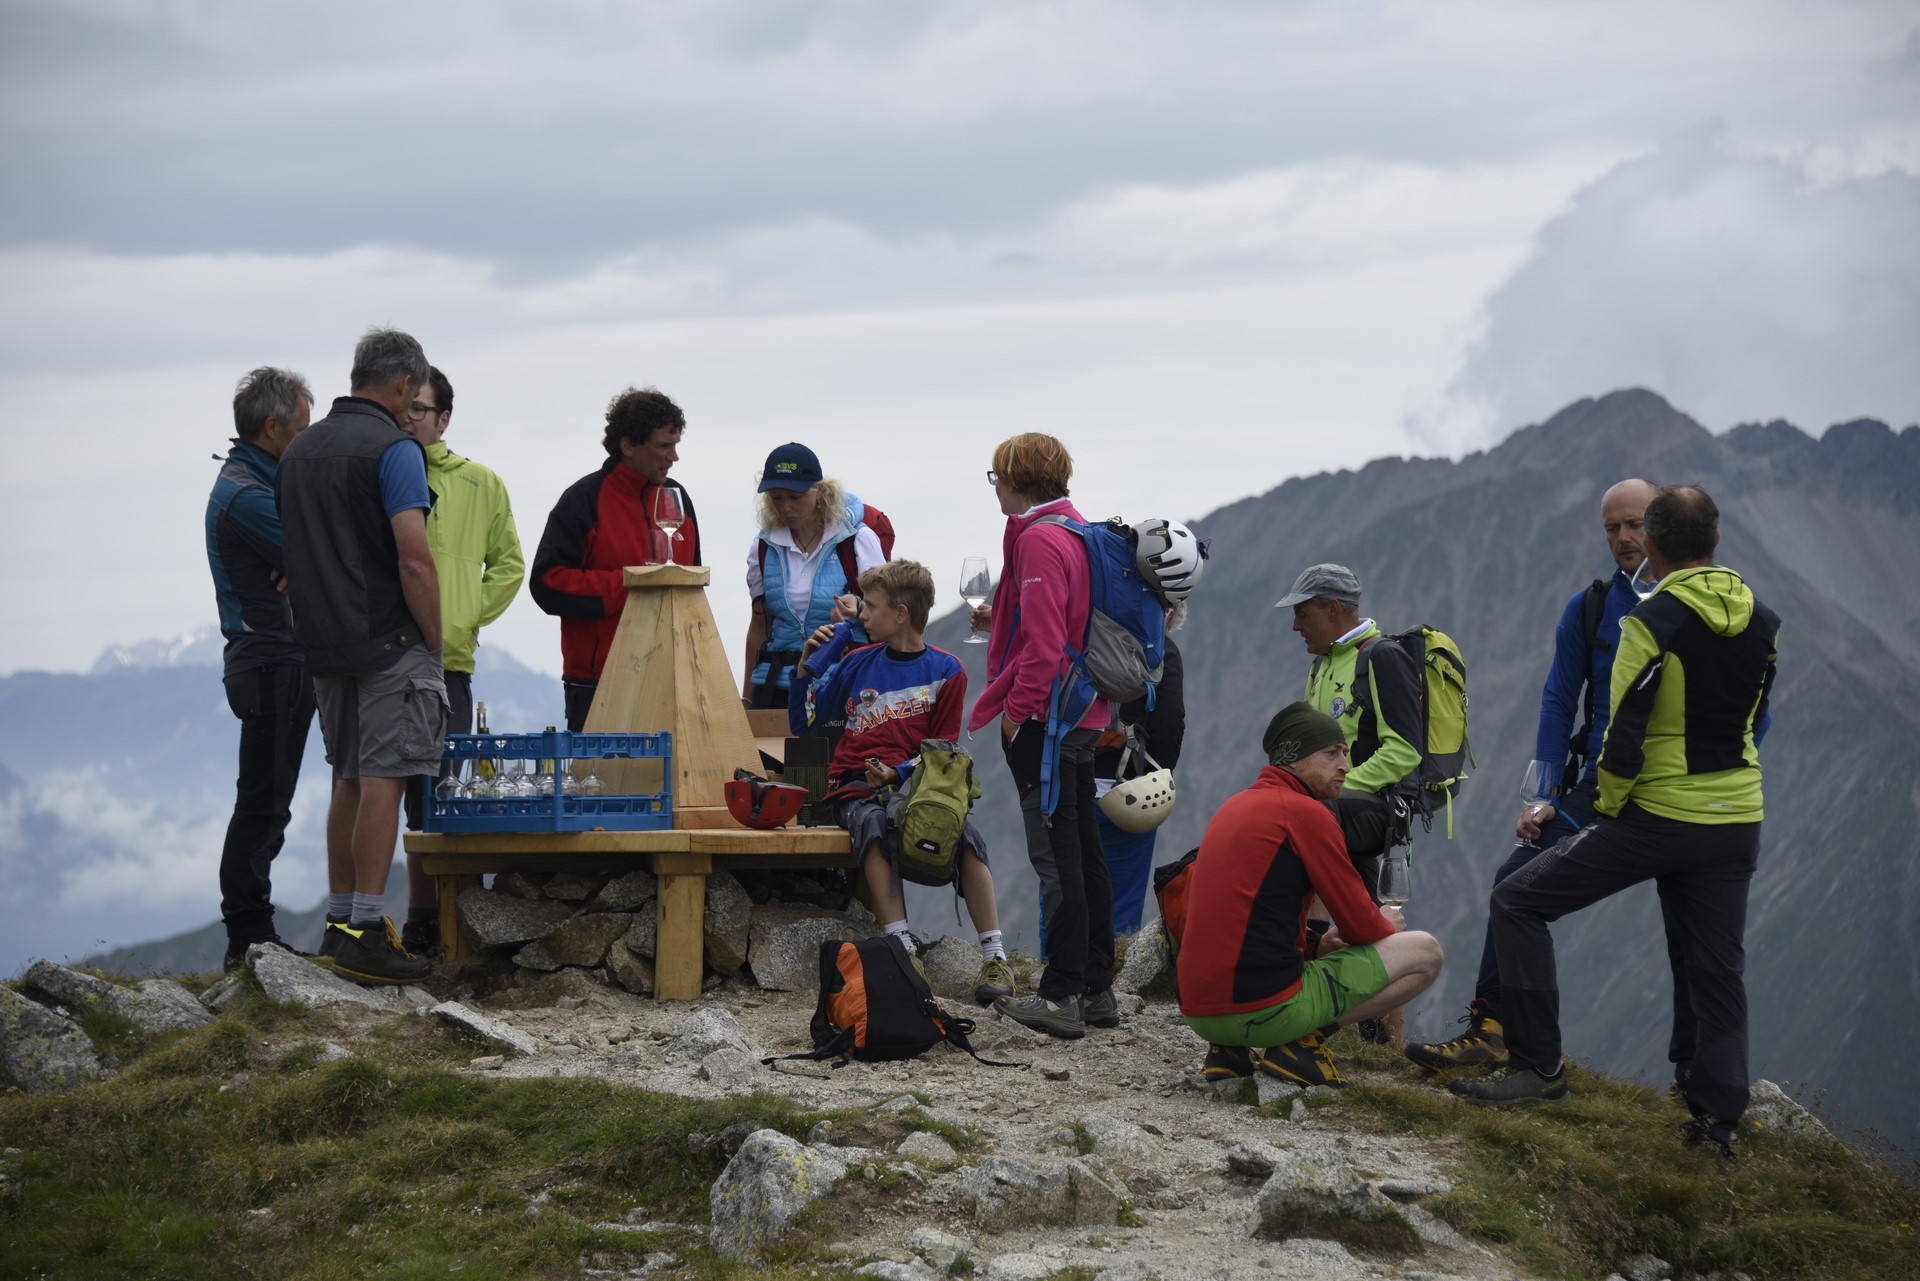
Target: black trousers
{"type": "Point", "coordinates": [1570, 813]}
{"type": "Point", "coordinates": [579, 695]}
{"type": "Point", "coordinates": [1702, 872]}
{"type": "Point", "coordinates": [275, 707]}
{"type": "Point", "coordinates": [1076, 892]}
{"type": "Point", "coordinates": [1367, 822]}
{"type": "Point", "coordinates": [459, 721]}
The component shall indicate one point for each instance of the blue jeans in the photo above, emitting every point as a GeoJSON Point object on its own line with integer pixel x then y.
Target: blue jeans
{"type": "Point", "coordinates": [1571, 813]}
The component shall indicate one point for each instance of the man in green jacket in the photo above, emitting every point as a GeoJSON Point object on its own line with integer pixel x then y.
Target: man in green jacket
{"type": "Point", "coordinates": [1679, 804]}
{"type": "Point", "coordinates": [477, 551]}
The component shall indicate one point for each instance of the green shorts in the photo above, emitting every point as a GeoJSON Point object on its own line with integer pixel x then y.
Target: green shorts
{"type": "Point", "coordinates": [1329, 987]}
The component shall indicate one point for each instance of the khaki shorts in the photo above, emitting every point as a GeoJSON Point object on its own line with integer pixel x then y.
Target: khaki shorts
{"type": "Point", "coordinates": [390, 724]}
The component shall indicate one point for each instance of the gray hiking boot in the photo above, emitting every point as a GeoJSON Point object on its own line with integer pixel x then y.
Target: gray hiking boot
{"type": "Point", "coordinates": [1515, 1085]}
{"type": "Point", "coordinates": [374, 954]}
{"type": "Point", "coordinates": [1037, 1012]}
{"type": "Point", "coordinates": [1102, 1009]}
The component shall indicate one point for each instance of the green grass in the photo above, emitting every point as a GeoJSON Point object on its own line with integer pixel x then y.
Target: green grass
{"type": "Point", "coordinates": [1576, 1189]}
{"type": "Point", "coordinates": [232, 1151]}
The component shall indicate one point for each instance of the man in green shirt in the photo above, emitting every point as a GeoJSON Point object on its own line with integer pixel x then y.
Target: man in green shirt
{"type": "Point", "coordinates": [477, 551]}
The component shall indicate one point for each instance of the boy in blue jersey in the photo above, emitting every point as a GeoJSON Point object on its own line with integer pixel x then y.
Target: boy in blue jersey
{"type": "Point", "coordinates": [886, 697]}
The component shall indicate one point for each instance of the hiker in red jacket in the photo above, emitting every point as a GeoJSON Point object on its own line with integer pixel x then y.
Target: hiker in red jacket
{"type": "Point", "coordinates": [1250, 981]}
{"type": "Point", "coordinates": [602, 524]}
{"type": "Point", "coordinates": [1043, 599]}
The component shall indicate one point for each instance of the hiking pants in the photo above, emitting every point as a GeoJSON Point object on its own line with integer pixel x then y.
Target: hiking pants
{"type": "Point", "coordinates": [1570, 813]}
{"type": "Point", "coordinates": [1076, 895]}
{"type": "Point", "coordinates": [579, 700]}
{"type": "Point", "coordinates": [1129, 858]}
{"type": "Point", "coordinates": [1366, 821]}
{"type": "Point", "coordinates": [459, 721]}
{"type": "Point", "coordinates": [275, 707]}
{"type": "Point", "coordinates": [1702, 872]}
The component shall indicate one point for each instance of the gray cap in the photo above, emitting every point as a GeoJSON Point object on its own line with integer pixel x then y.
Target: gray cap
{"type": "Point", "coordinates": [1319, 582]}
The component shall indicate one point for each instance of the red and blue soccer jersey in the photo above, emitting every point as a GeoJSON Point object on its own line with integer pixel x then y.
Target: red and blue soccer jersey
{"type": "Point", "coordinates": [885, 702]}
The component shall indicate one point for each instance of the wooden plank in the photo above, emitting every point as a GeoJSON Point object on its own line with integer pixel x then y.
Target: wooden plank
{"type": "Point", "coordinates": [680, 948]}
{"type": "Point", "coordinates": [452, 945]}
{"type": "Point", "coordinates": [700, 818]}
{"type": "Point", "coordinates": [479, 862]}
{"type": "Point", "coordinates": [682, 864]}
{"type": "Point", "coordinates": [667, 575]}
{"type": "Point", "coordinates": [652, 842]}
{"type": "Point", "coordinates": [798, 841]}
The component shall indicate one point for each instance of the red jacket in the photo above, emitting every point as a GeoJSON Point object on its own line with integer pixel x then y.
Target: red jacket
{"type": "Point", "coordinates": [1046, 589]}
{"type": "Point", "coordinates": [1266, 853]}
{"type": "Point", "coordinates": [600, 526]}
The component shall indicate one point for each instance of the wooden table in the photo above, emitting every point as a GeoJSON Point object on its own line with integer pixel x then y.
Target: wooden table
{"type": "Point", "coordinates": [667, 671]}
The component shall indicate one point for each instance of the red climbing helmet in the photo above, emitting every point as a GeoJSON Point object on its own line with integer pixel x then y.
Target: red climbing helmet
{"type": "Point", "coordinates": [758, 803]}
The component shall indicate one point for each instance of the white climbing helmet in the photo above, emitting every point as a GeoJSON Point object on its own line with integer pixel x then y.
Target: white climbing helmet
{"type": "Point", "coordinates": [1168, 553]}
{"type": "Point", "coordinates": [1140, 804]}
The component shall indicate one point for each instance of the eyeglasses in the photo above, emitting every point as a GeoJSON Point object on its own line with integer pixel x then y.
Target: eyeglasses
{"type": "Point", "coordinates": [417, 411]}
{"type": "Point", "coordinates": [993, 477]}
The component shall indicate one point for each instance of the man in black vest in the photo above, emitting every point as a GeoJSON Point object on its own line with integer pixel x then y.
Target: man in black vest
{"type": "Point", "coordinates": [353, 500]}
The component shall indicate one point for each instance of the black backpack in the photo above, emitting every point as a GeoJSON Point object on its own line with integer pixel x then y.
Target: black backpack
{"type": "Point", "coordinates": [875, 1006]}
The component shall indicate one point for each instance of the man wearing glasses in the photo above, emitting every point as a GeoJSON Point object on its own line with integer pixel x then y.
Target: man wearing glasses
{"type": "Point", "coordinates": [476, 550]}
{"type": "Point", "coordinates": [604, 522]}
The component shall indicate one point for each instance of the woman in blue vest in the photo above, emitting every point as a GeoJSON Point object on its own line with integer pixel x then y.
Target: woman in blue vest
{"type": "Point", "coordinates": [802, 569]}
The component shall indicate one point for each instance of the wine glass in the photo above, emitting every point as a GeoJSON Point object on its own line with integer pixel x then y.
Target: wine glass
{"type": "Point", "coordinates": [1396, 876]}
{"type": "Point", "coordinates": [976, 584]}
{"type": "Point", "coordinates": [1539, 785]}
{"type": "Point", "coordinates": [669, 513]}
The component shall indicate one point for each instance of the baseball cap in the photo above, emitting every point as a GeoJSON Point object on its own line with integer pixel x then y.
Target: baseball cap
{"type": "Point", "coordinates": [792, 466]}
{"type": "Point", "coordinates": [1319, 582]}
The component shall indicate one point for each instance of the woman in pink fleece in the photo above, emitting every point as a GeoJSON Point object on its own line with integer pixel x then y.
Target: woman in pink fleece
{"type": "Point", "coordinates": [1041, 603]}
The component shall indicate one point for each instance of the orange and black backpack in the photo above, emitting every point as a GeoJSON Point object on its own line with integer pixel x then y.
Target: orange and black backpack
{"type": "Point", "coordinates": [874, 1006]}
{"type": "Point", "coordinates": [1171, 881]}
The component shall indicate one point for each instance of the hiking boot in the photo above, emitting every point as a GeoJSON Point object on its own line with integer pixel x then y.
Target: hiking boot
{"type": "Point", "coordinates": [1372, 1031]}
{"type": "Point", "coordinates": [1703, 1134]}
{"type": "Point", "coordinates": [1306, 1061]}
{"type": "Point", "coordinates": [995, 981]}
{"type": "Point", "coordinates": [237, 952]}
{"type": "Point", "coordinates": [1037, 1012]}
{"type": "Point", "coordinates": [332, 935]}
{"type": "Point", "coordinates": [374, 954]}
{"type": "Point", "coordinates": [1515, 1085]}
{"type": "Point", "coordinates": [1101, 1009]}
{"type": "Point", "coordinates": [1484, 1044]}
{"type": "Point", "coordinates": [1226, 1062]}
{"type": "Point", "coordinates": [422, 938]}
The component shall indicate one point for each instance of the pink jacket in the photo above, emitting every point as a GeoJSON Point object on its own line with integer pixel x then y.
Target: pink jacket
{"type": "Point", "coordinates": [1043, 580]}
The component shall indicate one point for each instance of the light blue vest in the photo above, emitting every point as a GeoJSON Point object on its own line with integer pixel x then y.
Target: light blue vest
{"type": "Point", "coordinates": [786, 631]}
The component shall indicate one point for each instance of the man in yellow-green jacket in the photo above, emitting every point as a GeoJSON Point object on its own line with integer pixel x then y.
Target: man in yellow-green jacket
{"type": "Point", "coordinates": [477, 552]}
{"type": "Point", "coordinates": [1679, 804]}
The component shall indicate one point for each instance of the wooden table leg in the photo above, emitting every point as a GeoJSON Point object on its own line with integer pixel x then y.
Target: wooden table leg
{"type": "Point", "coordinates": [448, 889]}
{"type": "Point", "coordinates": [680, 949]}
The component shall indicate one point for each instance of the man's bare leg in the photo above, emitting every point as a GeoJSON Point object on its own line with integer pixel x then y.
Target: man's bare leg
{"type": "Point", "coordinates": [341, 813]}
{"type": "Point", "coordinates": [1412, 959]}
{"type": "Point", "coordinates": [976, 886]}
{"type": "Point", "coordinates": [883, 897]}
{"type": "Point", "coordinates": [376, 826]}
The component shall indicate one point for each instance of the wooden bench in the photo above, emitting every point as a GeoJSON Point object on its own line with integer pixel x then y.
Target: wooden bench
{"type": "Point", "coordinates": [667, 671]}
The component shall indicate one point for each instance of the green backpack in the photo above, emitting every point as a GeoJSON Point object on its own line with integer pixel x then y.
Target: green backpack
{"type": "Point", "coordinates": [1446, 754]}
{"type": "Point", "coordinates": [927, 817]}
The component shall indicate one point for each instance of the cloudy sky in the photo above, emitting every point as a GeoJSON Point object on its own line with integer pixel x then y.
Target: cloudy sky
{"type": "Point", "coordinates": [1210, 245]}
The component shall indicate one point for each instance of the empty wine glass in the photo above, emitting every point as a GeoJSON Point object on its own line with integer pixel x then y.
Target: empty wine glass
{"type": "Point", "coordinates": [1396, 876]}
{"type": "Point", "coordinates": [976, 584]}
{"type": "Point", "coordinates": [669, 514]}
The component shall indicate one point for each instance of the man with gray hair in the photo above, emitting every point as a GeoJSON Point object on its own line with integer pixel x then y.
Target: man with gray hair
{"type": "Point", "coordinates": [366, 609]}
{"type": "Point", "coordinates": [268, 687]}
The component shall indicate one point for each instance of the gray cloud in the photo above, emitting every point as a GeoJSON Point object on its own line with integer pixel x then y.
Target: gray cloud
{"type": "Point", "coordinates": [1732, 284]}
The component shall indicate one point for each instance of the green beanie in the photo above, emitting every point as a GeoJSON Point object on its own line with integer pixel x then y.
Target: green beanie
{"type": "Point", "coordinates": [1297, 731]}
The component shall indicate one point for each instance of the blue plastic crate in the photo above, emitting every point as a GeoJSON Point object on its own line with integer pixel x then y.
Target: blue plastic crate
{"type": "Point", "coordinates": [557, 810]}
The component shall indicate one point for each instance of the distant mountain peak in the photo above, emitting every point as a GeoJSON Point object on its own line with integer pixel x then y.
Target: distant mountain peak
{"type": "Point", "coordinates": [198, 648]}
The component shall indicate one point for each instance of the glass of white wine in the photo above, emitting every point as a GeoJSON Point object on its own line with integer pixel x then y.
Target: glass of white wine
{"type": "Point", "coordinates": [1396, 876]}
{"type": "Point", "coordinates": [976, 585]}
{"type": "Point", "coordinates": [669, 514]}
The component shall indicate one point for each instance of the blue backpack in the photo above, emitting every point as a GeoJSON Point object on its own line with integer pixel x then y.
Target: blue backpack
{"type": "Point", "coordinates": [1120, 656]}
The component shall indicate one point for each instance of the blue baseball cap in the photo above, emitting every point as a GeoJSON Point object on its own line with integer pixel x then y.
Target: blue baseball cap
{"type": "Point", "coordinates": [792, 466]}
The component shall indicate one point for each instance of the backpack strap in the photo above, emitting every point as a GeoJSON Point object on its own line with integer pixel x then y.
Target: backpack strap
{"type": "Point", "coordinates": [838, 1046]}
{"type": "Point", "coordinates": [1593, 607]}
{"type": "Point", "coordinates": [849, 566]}
{"type": "Point", "coordinates": [952, 1030]}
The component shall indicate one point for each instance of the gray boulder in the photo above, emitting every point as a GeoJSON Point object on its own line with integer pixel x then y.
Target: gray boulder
{"type": "Point", "coordinates": [625, 893]}
{"type": "Point", "coordinates": [1769, 1107]}
{"type": "Point", "coordinates": [571, 887]}
{"type": "Point", "coordinates": [922, 1145]}
{"type": "Point", "coordinates": [520, 884]}
{"type": "Point", "coordinates": [1146, 957]}
{"type": "Point", "coordinates": [953, 966]}
{"type": "Point", "coordinates": [894, 1270]}
{"type": "Point", "coordinates": [41, 1050]}
{"type": "Point", "coordinates": [704, 1031]}
{"type": "Point", "coordinates": [1004, 1193]}
{"type": "Point", "coordinates": [643, 935]}
{"type": "Point", "coordinates": [1122, 1142]}
{"type": "Point", "coordinates": [1315, 1183]}
{"type": "Point", "coordinates": [727, 923]}
{"type": "Point", "coordinates": [294, 980]}
{"type": "Point", "coordinates": [630, 970]}
{"type": "Point", "coordinates": [769, 1181]}
{"type": "Point", "coordinates": [727, 1067]}
{"type": "Point", "coordinates": [504, 920]}
{"type": "Point", "coordinates": [1255, 1160]}
{"type": "Point", "coordinates": [938, 1248]}
{"type": "Point", "coordinates": [783, 943]}
{"type": "Point", "coordinates": [582, 941]}
{"type": "Point", "coordinates": [490, 1030]}
{"type": "Point", "coordinates": [157, 1005]}
{"type": "Point", "coordinates": [1019, 1267]}
{"type": "Point", "coordinates": [224, 994]}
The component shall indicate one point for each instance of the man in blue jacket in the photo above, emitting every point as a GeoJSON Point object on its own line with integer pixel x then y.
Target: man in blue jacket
{"type": "Point", "coordinates": [268, 687]}
{"type": "Point", "coordinates": [1561, 777]}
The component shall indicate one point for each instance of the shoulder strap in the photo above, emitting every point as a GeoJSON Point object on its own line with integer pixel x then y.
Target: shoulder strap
{"type": "Point", "coordinates": [850, 566]}
{"type": "Point", "coordinates": [1593, 607]}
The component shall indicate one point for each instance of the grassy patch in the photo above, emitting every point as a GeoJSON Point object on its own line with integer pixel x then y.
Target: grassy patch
{"type": "Point", "coordinates": [233, 1151]}
{"type": "Point", "coordinates": [1575, 1189]}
